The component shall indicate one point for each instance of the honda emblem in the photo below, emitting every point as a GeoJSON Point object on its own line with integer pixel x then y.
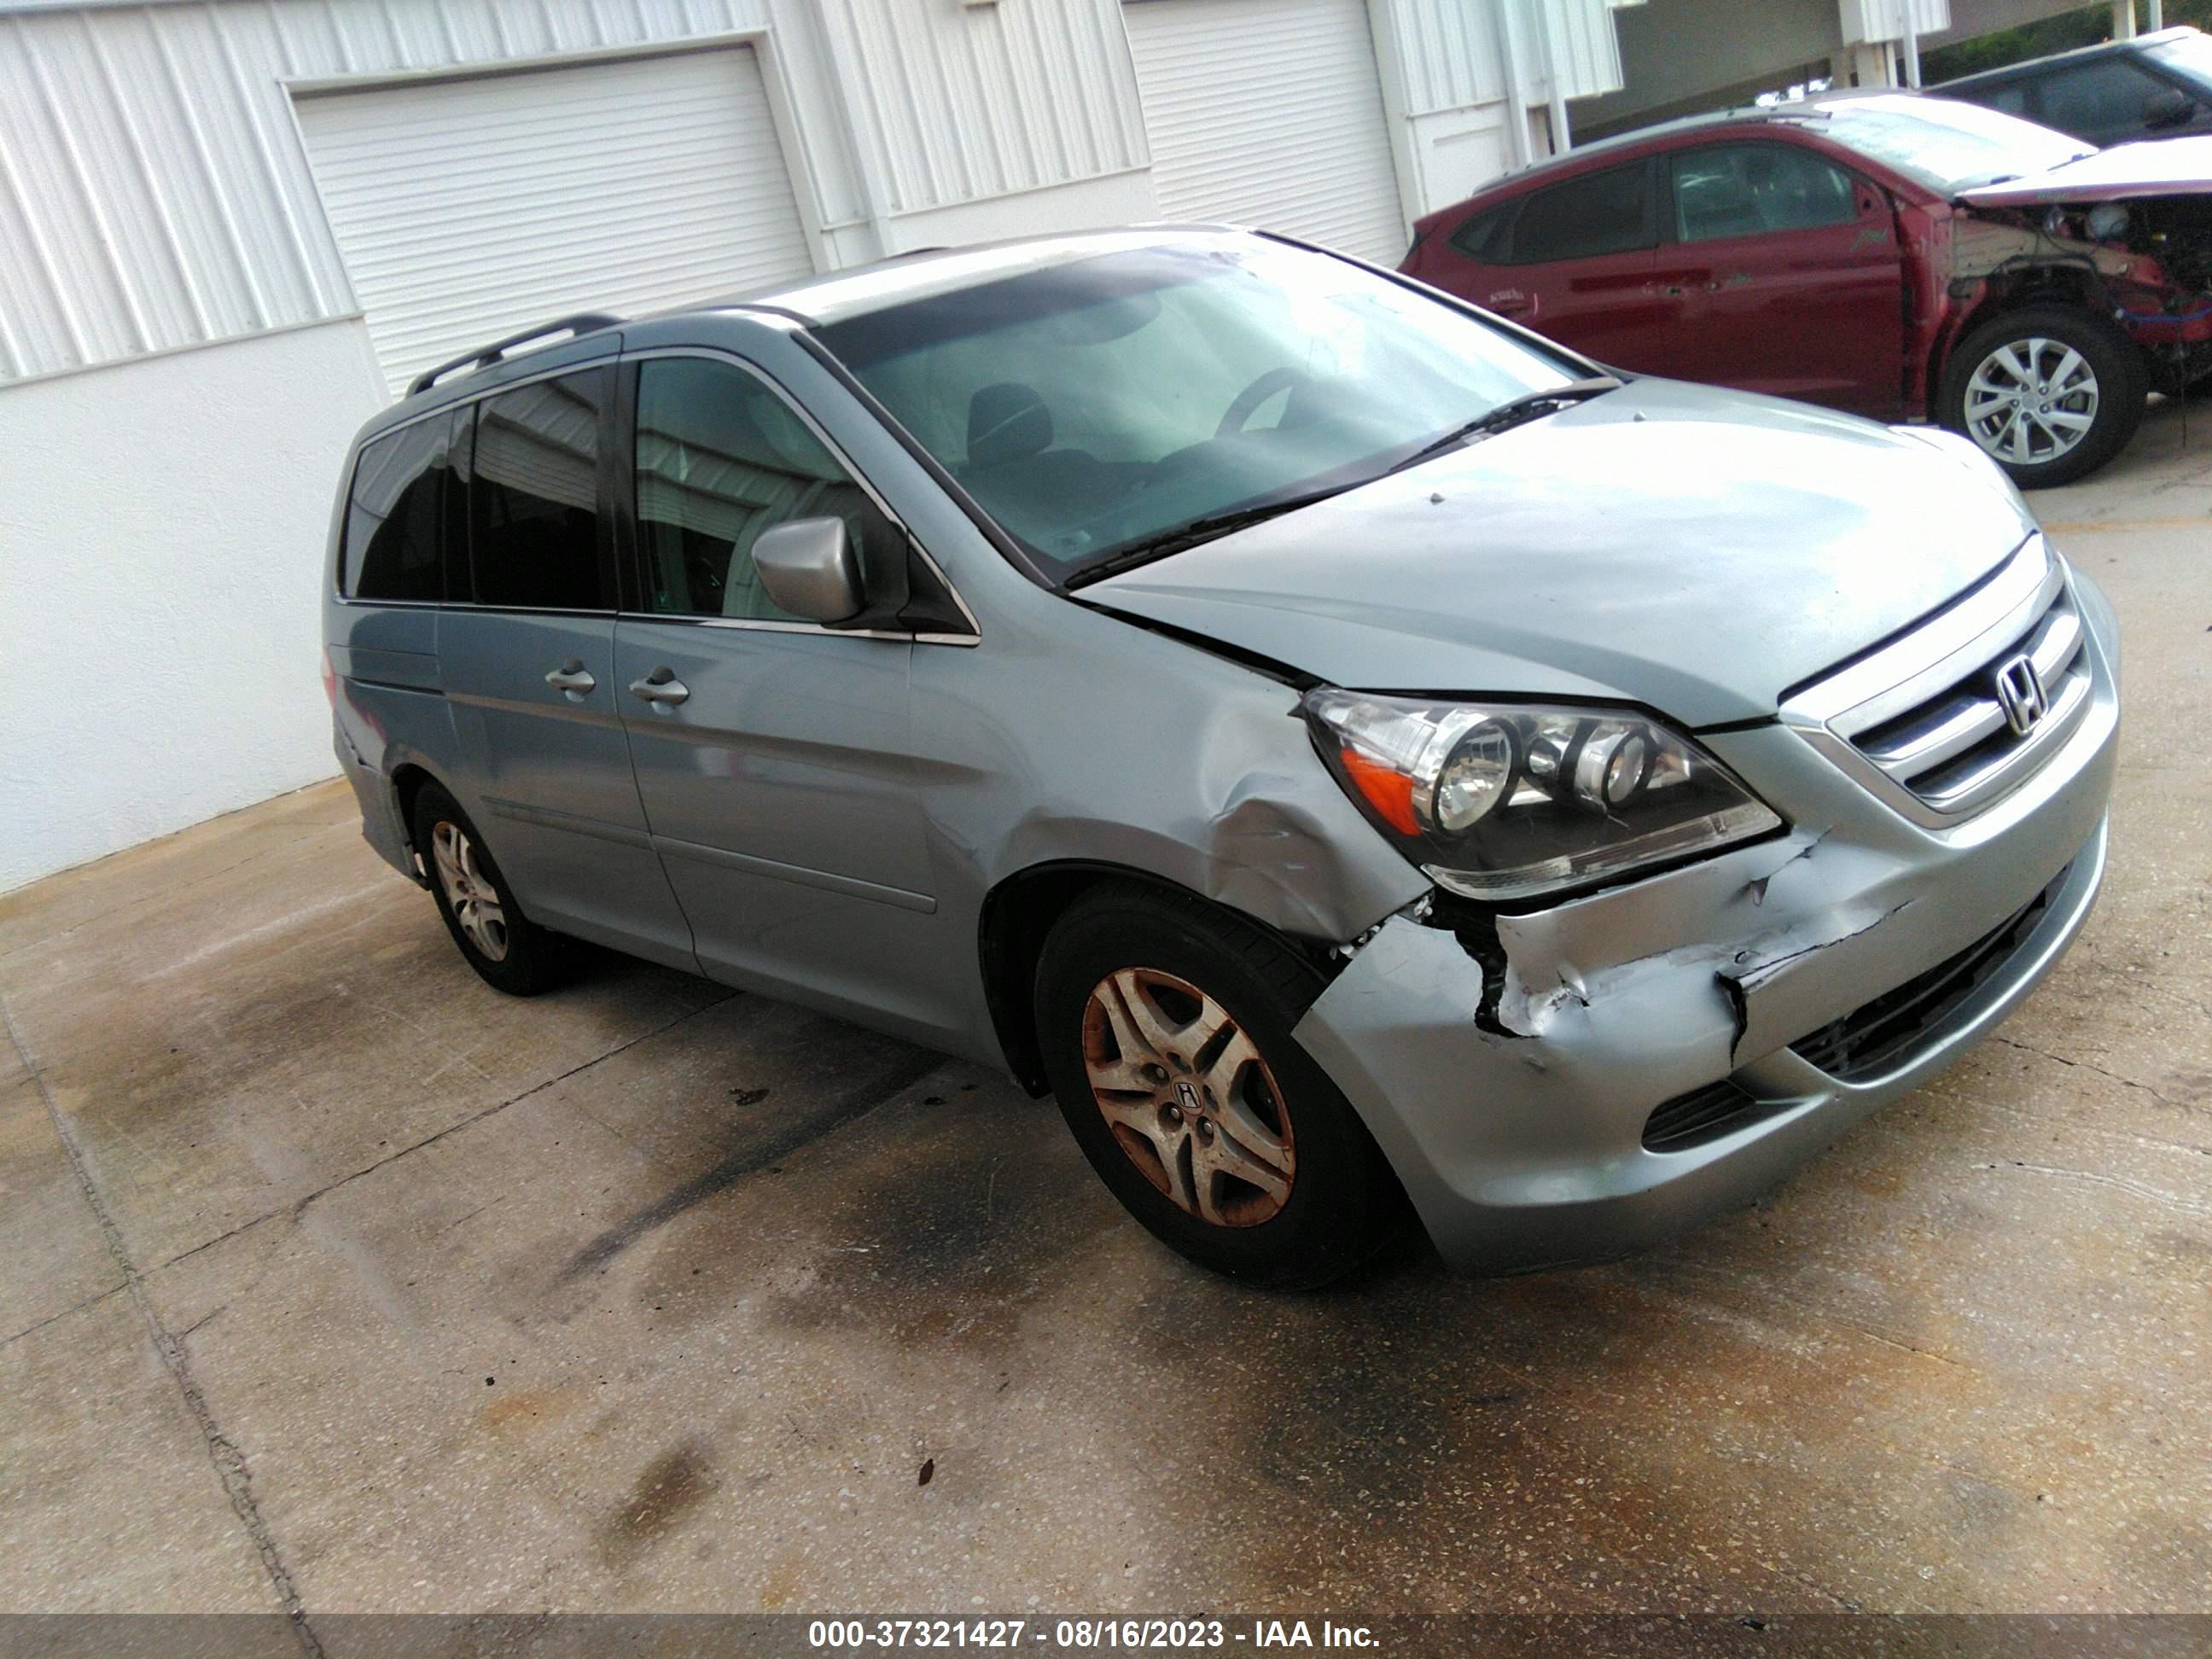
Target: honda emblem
{"type": "Point", "coordinates": [2020, 694]}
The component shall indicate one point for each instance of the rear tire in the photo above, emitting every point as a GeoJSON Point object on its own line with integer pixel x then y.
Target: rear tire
{"type": "Point", "coordinates": [1165, 1027]}
{"type": "Point", "coordinates": [2049, 393]}
{"type": "Point", "coordinates": [508, 951]}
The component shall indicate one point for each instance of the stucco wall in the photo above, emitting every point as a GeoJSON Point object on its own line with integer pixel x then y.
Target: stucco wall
{"type": "Point", "coordinates": [161, 532]}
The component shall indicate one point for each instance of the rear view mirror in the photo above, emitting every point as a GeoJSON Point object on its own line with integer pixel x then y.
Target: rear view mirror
{"type": "Point", "coordinates": [810, 568]}
{"type": "Point", "coordinates": [2171, 108]}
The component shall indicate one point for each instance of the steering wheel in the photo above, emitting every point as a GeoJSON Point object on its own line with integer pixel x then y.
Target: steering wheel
{"type": "Point", "coordinates": [1248, 401]}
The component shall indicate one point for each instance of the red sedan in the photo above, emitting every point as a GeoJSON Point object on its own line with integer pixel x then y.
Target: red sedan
{"type": "Point", "coordinates": [1896, 256]}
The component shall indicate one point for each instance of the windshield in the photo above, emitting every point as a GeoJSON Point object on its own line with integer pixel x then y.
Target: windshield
{"type": "Point", "coordinates": [2188, 55]}
{"type": "Point", "coordinates": [1945, 144]}
{"type": "Point", "coordinates": [1117, 399]}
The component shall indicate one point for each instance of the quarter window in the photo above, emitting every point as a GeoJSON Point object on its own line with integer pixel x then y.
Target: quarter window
{"type": "Point", "coordinates": [1486, 236]}
{"type": "Point", "coordinates": [1755, 190]}
{"type": "Point", "coordinates": [394, 520]}
{"type": "Point", "coordinates": [721, 458]}
{"type": "Point", "coordinates": [1607, 212]}
{"type": "Point", "coordinates": [533, 497]}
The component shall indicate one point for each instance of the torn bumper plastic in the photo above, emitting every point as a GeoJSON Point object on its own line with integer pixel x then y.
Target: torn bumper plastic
{"type": "Point", "coordinates": [381, 825]}
{"type": "Point", "coordinates": [1514, 1107]}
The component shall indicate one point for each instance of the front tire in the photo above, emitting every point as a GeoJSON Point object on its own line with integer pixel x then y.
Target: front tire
{"type": "Point", "coordinates": [508, 951]}
{"type": "Point", "coordinates": [2049, 393]}
{"type": "Point", "coordinates": [1165, 1027]}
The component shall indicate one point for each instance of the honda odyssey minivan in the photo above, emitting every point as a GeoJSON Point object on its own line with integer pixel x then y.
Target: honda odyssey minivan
{"type": "Point", "coordinates": [1365, 761]}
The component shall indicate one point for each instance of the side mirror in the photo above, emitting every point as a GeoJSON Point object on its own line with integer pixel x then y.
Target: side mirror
{"type": "Point", "coordinates": [811, 568]}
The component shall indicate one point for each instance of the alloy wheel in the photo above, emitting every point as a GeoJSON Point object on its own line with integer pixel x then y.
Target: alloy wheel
{"type": "Point", "coordinates": [475, 901]}
{"type": "Point", "coordinates": [1188, 1097]}
{"type": "Point", "coordinates": [2032, 400]}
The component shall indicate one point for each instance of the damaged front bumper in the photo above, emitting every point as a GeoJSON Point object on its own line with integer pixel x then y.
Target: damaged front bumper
{"type": "Point", "coordinates": [1646, 1056]}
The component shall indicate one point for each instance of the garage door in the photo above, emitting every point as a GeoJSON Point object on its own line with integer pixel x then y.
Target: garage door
{"type": "Point", "coordinates": [1269, 113]}
{"type": "Point", "coordinates": [468, 208]}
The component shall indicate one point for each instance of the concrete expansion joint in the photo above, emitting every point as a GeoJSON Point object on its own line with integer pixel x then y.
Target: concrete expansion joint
{"type": "Point", "coordinates": [299, 1207]}
{"type": "Point", "coordinates": [98, 916]}
{"type": "Point", "coordinates": [229, 1462]}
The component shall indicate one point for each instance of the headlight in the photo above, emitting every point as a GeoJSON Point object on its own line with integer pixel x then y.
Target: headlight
{"type": "Point", "coordinates": [1501, 801]}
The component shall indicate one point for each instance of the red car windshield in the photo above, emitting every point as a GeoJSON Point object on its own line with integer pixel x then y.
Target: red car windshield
{"type": "Point", "coordinates": [1946, 145]}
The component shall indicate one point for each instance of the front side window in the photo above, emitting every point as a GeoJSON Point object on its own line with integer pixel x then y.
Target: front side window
{"type": "Point", "coordinates": [1753, 190]}
{"type": "Point", "coordinates": [1600, 213]}
{"type": "Point", "coordinates": [721, 458]}
{"type": "Point", "coordinates": [534, 497]}
{"type": "Point", "coordinates": [395, 516]}
{"type": "Point", "coordinates": [1098, 404]}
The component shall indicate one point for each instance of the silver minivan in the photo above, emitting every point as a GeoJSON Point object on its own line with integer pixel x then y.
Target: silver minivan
{"type": "Point", "coordinates": [1367, 761]}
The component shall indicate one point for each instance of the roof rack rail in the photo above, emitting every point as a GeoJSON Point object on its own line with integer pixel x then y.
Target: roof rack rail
{"type": "Point", "coordinates": [484, 356]}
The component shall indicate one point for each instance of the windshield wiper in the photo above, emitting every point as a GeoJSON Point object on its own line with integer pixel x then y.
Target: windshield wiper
{"type": "Point", "coordinates": [1202, 529]}
{"type": "Point", "coordinates": [1513, 412]}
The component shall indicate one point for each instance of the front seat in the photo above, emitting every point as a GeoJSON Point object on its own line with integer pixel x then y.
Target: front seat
{"type": "Point", "coordinates": [1013, 469]}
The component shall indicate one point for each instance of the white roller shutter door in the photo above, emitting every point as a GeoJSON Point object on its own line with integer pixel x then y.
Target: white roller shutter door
{"type": "Point", "coordinates": [1269, 113]}
{"type": "Point", "coordinates": [468, 208]}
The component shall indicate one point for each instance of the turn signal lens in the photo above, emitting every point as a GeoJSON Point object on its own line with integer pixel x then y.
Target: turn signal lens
{"type": "Point", "coordinates": [1389, 792]}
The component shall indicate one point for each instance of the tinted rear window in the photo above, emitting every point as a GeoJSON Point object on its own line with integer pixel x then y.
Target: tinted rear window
{"type": "Point", "coordinates": [1607, 212]}
{"type": "Point", "coordinates": [534, 497]}
{"type": "Point", "coordinates": [395, 516]}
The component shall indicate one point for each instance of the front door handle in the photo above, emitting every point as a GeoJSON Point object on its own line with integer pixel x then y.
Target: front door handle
{"type": "Point", "coordinates": [660, 688]}
{"type": "Point", "coordinates": [572, 677]}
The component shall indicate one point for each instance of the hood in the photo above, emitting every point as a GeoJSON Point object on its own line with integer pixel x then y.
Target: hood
{"type": "Point", "coordinates": [1695, 550]}
{"type": "Point", "coordinates": [2156, 167]}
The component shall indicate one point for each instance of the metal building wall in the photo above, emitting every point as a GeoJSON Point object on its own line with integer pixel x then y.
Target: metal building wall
{"type": "Point", "coordinates": [964, 104]}
{"type": "Point", "coordinates": [1454, 59]}
{"type": "Point", "coordinates": [155, 195]}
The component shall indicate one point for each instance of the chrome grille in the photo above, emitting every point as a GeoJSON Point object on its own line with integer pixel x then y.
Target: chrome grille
{"type": "Point", "coordinates": [1929, 718]}
{"type": "Point", "coordinates": [1944, 748]}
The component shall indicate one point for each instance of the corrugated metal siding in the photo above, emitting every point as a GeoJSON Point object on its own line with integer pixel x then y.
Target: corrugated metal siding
{"type": "Point", "coordinates": [1269, 112]}
{"type": "Point", "coordinates": [1587, 49]}
{"type": "Point", "coordinates": [466, 208]}
{"type": "Point", "coordinates": [964, 103]}
{"type": "Point", "coordinates": [1453, 60]}
{"type": "Point", "coordinates": [154, 192]}
{"type": "Point", "coordinates": [1884, 20]}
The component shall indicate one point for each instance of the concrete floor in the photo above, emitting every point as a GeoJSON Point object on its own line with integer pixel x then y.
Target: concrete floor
{"type": "Point", "coordinates": [332, 1275]}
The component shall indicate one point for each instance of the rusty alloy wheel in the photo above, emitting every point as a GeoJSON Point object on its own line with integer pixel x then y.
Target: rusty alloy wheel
{"type": "Point", "coordinates": [1188, 1097]}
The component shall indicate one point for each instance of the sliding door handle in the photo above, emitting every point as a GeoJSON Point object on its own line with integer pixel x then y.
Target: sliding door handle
{"type": "Point", "coordinates": [660, 688]}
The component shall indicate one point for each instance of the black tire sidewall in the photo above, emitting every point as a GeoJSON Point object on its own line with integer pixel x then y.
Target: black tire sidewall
{"type": "Point", "coordinates": [529, 964]}
{"type": "Point", "coordinates": [1344, 1203]}
{"type": "Point", "coordinates": [2123, 386]}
